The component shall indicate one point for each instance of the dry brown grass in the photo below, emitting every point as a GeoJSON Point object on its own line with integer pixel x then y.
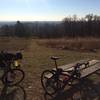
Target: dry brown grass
{"type": "Point", "coordinates": [80, 44]}
{"type": "Point", "coordinates": [13, 44]}
{"type": "Point", "coordinates": [37, 59]}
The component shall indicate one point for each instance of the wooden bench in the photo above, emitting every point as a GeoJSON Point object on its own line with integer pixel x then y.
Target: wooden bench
{"type": "Point", "coordinates": [94, 65]}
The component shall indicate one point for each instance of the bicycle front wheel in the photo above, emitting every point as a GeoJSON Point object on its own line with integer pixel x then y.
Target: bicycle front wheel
{"type": "Point", "coordinates": [49, 82]}
{"type": "Point", "coordinates": [13, 77]}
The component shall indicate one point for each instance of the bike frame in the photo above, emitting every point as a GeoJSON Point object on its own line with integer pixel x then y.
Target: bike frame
{"type": "Point", "coordinates": [74, 72]}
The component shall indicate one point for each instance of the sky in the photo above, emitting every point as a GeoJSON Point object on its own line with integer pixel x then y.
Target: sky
{"type": "Point", "coordinates": [46, 10]}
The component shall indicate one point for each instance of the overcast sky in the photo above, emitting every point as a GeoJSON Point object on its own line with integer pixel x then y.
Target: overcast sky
{"type": "Point", "coordinates": [46, 10]}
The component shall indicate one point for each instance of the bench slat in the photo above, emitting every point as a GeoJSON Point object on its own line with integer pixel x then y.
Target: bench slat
{"type": "Point", "coordinates": [94, 65]}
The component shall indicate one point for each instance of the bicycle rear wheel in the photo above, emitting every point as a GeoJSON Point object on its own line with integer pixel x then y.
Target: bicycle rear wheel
{"type": "Point", "coordinates": [48, 97]}
{"type": "Point", "coordinates": [49, 82]}
{"type": "Point", "coordinates": [13, 77]}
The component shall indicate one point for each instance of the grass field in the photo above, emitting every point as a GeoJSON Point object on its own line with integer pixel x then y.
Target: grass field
{"type": "Point", "coordinates": [37, 58]}
{"type": "Point", "coordinates": [76, 44]}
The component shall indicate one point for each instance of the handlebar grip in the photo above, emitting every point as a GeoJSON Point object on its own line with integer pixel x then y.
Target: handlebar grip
{"type": "Point", "coordinates": [19, 55]}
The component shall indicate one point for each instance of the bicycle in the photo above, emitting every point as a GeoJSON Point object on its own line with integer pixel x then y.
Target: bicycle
{"type": "Point", "coordinates": [9, 62]}
{"type": "Point", "coordinates": [55, 80]}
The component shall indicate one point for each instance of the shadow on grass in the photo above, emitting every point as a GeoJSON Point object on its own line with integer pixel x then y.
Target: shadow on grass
{"type": "Point", "coordinates": [86, 89]}
{"type": "Point", "coordinates": [13, 93]}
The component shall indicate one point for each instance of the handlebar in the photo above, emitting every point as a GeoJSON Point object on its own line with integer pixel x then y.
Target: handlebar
{"type": "Point", "coordinates": [78, 65]}
{"type": "Point", "coordinates": [10, 56]}
{"type": "Point", "coordinates": [75, 68]}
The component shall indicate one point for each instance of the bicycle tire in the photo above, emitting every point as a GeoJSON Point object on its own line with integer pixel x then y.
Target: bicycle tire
{"type": "Point", "coordinates": [13, 72]}
{"type": "Point", "coordinates": [50, 82]}
{"type": "Point", "coordinates": [48, 97]}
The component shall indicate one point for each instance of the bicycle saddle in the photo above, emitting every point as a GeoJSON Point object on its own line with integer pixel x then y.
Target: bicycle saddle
{"type": "Point", "coordinates": [54, 58]}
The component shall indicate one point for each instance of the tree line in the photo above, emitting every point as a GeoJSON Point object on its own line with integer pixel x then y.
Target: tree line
{"type": "Point", "coordinates": [71, 26]}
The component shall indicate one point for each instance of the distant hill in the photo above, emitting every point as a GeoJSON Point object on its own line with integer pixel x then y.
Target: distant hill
{"type": "Point", "coordinates": [6, 23]}
{"type": "Point", "coordinates": [28, 22]}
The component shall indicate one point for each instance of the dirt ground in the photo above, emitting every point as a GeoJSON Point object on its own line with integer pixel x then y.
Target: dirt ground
{"type": "Point", "coordinates": [36, 59]}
